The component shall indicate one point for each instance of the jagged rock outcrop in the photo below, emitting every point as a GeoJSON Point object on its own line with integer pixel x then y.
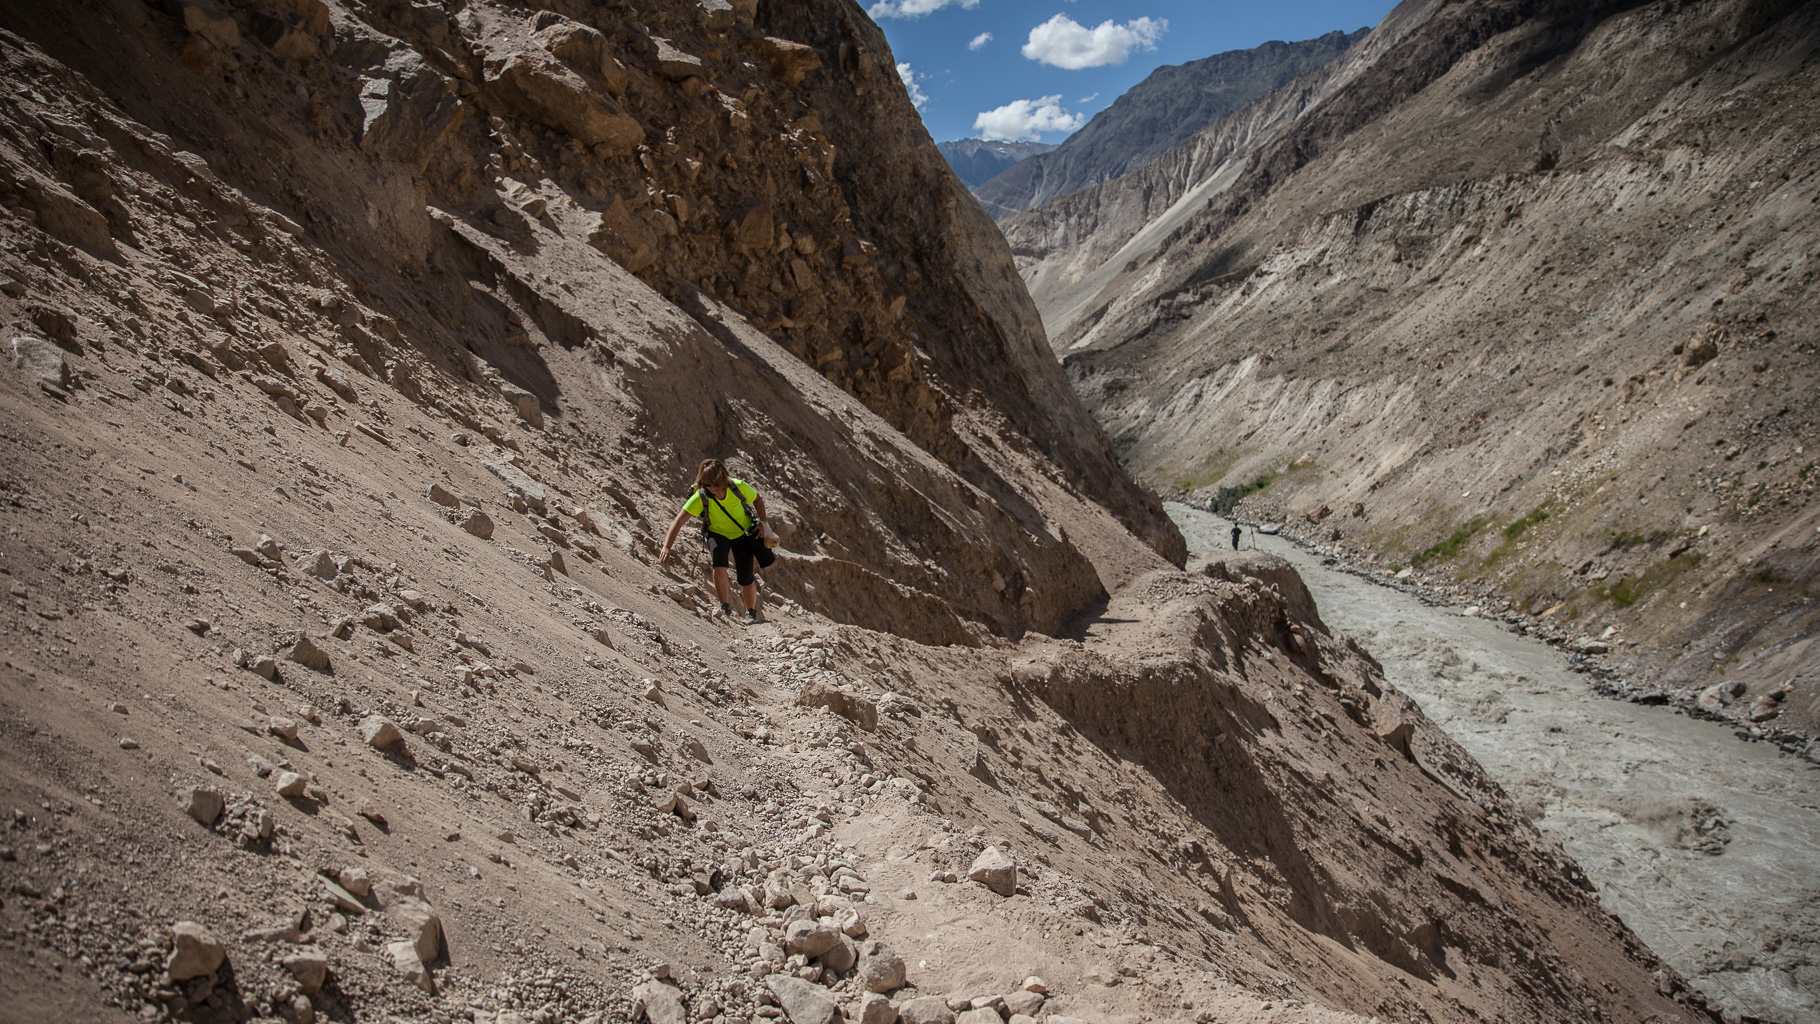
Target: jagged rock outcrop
{"type": "Point", "coordinates": [1523, 291]}
{"type": "Point", "coordinates": [1171, 104]}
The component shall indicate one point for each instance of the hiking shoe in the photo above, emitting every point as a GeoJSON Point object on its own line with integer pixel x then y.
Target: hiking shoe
{"type": "Point", "coordinates": [751, 615]}
{"type": "Point", "coordinates": [726, 610]}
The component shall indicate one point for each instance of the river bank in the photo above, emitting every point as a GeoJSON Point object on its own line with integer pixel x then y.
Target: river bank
{"type": "Point", "coordinates": [1708, 848]}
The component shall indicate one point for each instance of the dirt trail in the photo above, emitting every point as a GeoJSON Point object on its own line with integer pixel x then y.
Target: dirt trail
{"type": "Point", "coordinates": [340, 681]}
{"type": "Point", "coordinates": [1707, 847]}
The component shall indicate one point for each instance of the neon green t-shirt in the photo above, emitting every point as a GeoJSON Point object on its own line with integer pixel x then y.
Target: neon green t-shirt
{"type": "Point", "coordinates": [726, 516]}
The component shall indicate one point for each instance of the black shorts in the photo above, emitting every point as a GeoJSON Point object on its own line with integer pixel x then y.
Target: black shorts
{"type": "Point", "coordinates": [744, 551]}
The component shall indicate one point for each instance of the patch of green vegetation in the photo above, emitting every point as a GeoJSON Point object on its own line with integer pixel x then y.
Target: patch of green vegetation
{"type": "Point", "coordinates": [1535, 518]}
{"type": "Point", "coordinates": [1452, 545]}
{"type": "Point", "coordinates": [1209, 470]}
{"type": "Point", "coordinates": [1631, 589]}
{"type": "Point", "coordinates": [1227, 498]}
{"type": "Point", "coordinates": [1513, 532]}
{"type": "Point", "coordinates": [1767, 578]}
{"type": "Point", "coordinates": [1627, 539]}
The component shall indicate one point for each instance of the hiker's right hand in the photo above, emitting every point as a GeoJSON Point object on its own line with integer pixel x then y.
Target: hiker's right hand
{"type": "Point", "coordinates": [664, 557]}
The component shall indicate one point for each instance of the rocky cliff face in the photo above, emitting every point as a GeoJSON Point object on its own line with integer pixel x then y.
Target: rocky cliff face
{"type": "Point", "coordinates": [361, 352]}
{"type": "Point", "coordinates": [1520, 302]}
{"type": "Point", "coordinates": [1168, 106]}
{"type": "Point", "coordinates": [976, 161]}
{"type": "Point", "coordinates": [473, 175]}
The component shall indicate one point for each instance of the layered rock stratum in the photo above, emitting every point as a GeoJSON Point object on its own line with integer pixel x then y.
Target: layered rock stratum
{"type": "Point", "coordinates": [362, 352]}
{"type": "Point", "coordinates": [1516, 293]}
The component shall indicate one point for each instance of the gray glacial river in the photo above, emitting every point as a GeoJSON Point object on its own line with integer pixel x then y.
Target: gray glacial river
{"type": "Point", "coordinates": [1708, 847]}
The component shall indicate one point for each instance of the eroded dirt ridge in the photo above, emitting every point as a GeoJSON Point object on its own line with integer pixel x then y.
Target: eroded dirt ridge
{"type": "Point", "coordinates": [339, 680]}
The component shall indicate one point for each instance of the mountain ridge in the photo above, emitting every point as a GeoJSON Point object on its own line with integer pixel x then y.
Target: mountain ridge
{"type": "Point", "coordinates": [1169, 105]}
{"type": "Point", "coordinates": [975, 161]}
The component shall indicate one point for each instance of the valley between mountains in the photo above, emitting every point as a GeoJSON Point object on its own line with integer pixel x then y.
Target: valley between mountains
{"type": "Point", "coordinates": [362, 352]}
{"type": "Point", "coordinates": [1515, 295]}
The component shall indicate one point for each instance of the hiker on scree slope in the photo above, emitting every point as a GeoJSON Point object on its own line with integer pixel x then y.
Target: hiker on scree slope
{"type": "Point", "coordinates": [733, 518]}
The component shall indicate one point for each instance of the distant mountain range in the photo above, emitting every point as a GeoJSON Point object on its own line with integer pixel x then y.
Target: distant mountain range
{"type": "Point", "coordinates": [1165, 109]}
{"type": "Point", "coordinates": [976, 161]}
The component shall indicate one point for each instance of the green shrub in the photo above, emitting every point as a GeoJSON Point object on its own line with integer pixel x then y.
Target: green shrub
{"type": "Point", "coordinates": [1226, 498]}
{"type": "Point", "coordinates": [1452, 545]}
{"type": "Point", "coordinates": [1631, 589]}
{"type": "Point", "coordinates": [1535, 517]}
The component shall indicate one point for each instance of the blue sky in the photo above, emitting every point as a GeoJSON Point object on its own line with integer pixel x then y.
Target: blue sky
{"type": "Point", "coordinates": [1040, 68]}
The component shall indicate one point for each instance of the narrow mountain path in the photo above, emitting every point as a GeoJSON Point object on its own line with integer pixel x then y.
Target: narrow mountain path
{"type": "Point", "coordinates": [1707, 847]}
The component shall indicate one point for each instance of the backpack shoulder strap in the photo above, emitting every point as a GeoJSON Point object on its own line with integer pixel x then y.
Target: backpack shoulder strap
{"type": "Point", "coordinates": [724, 512]}
{"type": "Point", "coordinates": [741, 495]}
{"type": "Point", "coordinates": [705, 498]}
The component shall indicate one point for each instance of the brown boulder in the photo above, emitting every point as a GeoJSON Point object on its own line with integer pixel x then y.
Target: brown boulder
{"type": "Point", "coordinates": [789, 62]}
{"type": "Point", "coordinates": [925, 1010]}
{"type": "Point", "coordinates": [545, 90]}
{"type": "Point", "coordinates": [194, 952]}
{"type": "Point", "coordinates": [584, 49]}
{"type": "Point", "coordinates": [856, 709]}
{"type": "Point", "coordinates": [306, 653]}
{"type": "Point", "coordinates": [996, 870]}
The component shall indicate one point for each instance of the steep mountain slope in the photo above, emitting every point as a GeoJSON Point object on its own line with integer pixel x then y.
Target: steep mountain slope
{"type": "Point", "coordinates": [1529, 297]}
{"type": "Point", "coordinates": [976, 161]}
{"type": "Point", "coordinates": [1070, 248]}
{"type": "Point", "coordinates": [1168, 106]}
{"type": "Point", "coordinates": [728, 202]}
{"type": "Point", "coordinates": [361, 355]}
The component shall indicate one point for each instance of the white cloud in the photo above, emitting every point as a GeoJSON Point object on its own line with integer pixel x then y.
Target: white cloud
{"type": "Point", "coordinates": [917, 96]}
{"type": "Point", "coordinates": [914, 8]}
{"type": "Point", "coordinates": [980, 40]}
{"type": "Point", "coordinates": [1088, 99]}
{"type": "Point", "coordinates": [1065, 43]}
{"type": "Point", "coordinates": [1026, 120]}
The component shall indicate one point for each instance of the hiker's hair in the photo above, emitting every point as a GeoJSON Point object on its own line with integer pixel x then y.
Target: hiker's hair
{"type": "Point", "coordinates": [713, 473]}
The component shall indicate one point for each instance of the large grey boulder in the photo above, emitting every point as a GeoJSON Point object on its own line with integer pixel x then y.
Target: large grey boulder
{"type": "Point", "coordinates": [803, 1003]}
{"type": "Point", "coordinates": [659, 1002]}
{"type": "Point", "coordinates": [882, 970]}
{"type": "Point", "coordinates": [996, 870]}
{"type": "Point", "coordinates": [41, 359]}
{"type": "Point", "coordinates": [194, 952]}
{"type": "Point", "coordinates": [925, 1010]}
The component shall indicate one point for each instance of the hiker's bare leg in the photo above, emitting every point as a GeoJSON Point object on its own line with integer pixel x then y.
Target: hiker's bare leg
{"type": "Point", "coordinates": [749, 593]}
{"type": "Point", "coordinates": [720, 585]}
